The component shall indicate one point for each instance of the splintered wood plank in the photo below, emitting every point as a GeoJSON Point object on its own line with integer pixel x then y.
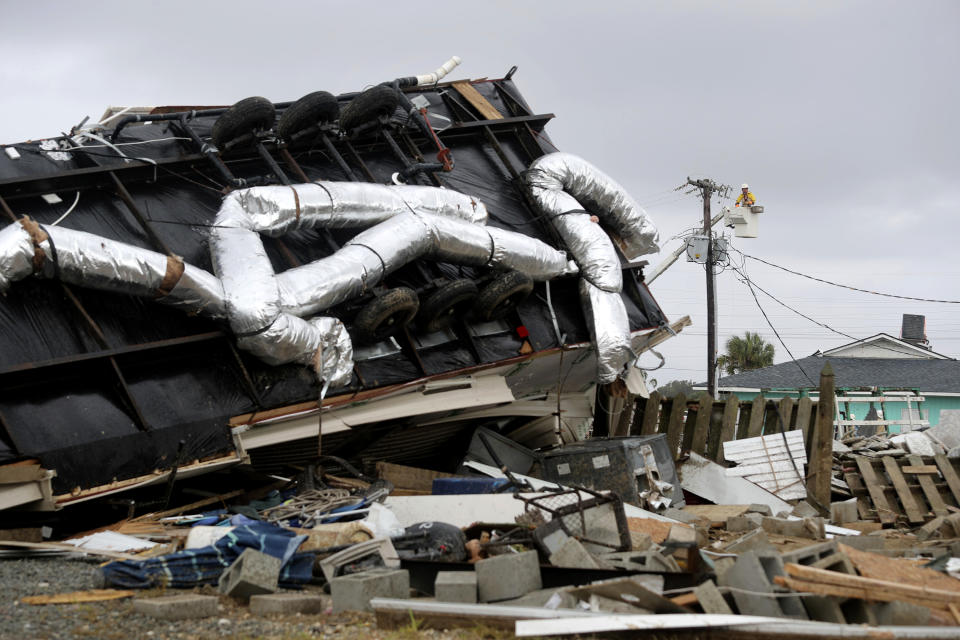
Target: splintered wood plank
{"type": "Point", "coordinates": [927, 484]}
{"type": "Point", "coordinates": [675, 425]}
{"type": "Point", "coordinates": [771, 421]}
{"type": "Point", "coordinates": [875, 487]}
{"type": "Point", "coordinates": [950, 475]}
{"type": "Point", "coordinates": [785, 409]}
{"type": "Point", "coordinates": [864, 507]}
{"type": "Point", "coordinates": [702, 428]}
{"type": "Point", "coordinates": [903, 571]}
{"type": "Point", "coordinates": [914, 512]}
{"type": "Point", "coordinates": [687, 440]}
{"type": "Point", "coordinates": [469, 92]}
{"type": "Point", "coordinates": [651, 413]}
{"type": "Point", "coordinates": [75, 597]}
{"type": "Point", "coordinates": [804, 412]}
{"type": "Point", "coordinates": [756, 416]}
{"type": "Point", "coordinates": [728, 424]}
{"type": "Point", "coordinates": [919, 468]}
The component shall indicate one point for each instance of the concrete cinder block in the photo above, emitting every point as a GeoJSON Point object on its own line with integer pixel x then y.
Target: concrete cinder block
{"type": "Point", "coordinates": [353, 592]}
{"type": "Point", "coordinates": [177, 607]}
{"type": "Point", "coordinates": [571, 554]}
{"type": "Point", "coordinates": [762, 509]}
{"type": "Point", "coordinates": [508, 576]}
{"type": "Point", "coordinates": [288, 603]}
{"type": "Point", "coordinates": [684, 537]}
{"type": "Point", "coordinates": [791, 605]}
{"type": "Point", "coordinates": [862, 543]}
{"type": "Point", "coordinates": [710, 598]}
{"type": "Point", "coordinates": [844, 511]}
{"type": "Point", "coordinates": [804, 509]}
{"type": "Point", "coordinates": [749, 580]}
{"type": "Point", "coordinates": [811, 554]}
{"type": "Point", "coordinates": [837, 562]}
{"type": "Point", "coordinates": [756, 540]}
{"type": "Point", "coordinates": [251, 574]}
{"type": "Point", "coordinates": [738, 524]}
{"type": "Point", "coordinates": [456, 586]}
{"type": "Point", "coordinates": [806, 528]}
{"type": "Point", "coordinates": [901, 614]}
{"type": "Point", "coordinates": [651, 560]}
{"type": "Point", "coordinates": [824, 609]}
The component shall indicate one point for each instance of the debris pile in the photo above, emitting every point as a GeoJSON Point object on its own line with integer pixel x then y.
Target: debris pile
{"type": "Point", "coordinates": [689, 544]}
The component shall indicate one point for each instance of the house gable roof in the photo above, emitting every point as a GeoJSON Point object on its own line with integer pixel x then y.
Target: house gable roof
{"type": "Point", "coordinates": [937, 375]}
{"type": "Point", "coordinates": [886, 342]}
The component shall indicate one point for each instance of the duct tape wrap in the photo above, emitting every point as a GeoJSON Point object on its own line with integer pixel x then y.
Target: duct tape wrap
{"type": "Point", "coordinates": [16, 255]}
{"type": "Point", "coordinates": [197, 291]}
{"type": "Point", "coordinates": [610, 327]}
{"type": "Point", "coordinates": [598, 193]}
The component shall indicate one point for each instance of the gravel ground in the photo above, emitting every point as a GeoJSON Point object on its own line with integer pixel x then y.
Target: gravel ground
{"type": "Point", "coordinates": [116, 619]}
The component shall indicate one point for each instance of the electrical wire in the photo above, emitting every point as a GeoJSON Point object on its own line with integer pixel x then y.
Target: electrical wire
{"type": "Point", "coordinates": [67, 212]}
{"type": "Point", "coordinates": [775, 332]}
{"type": "Point", "coordinates": [844, 286]}
{"type": "Point", "coordinates": [802, 315]}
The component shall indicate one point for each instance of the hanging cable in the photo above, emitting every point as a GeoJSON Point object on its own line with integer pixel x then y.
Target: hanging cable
{"type": "Point", "coordinates": [772, 328]}
{"type": "Point", "coordinates": [844, 286]}
{"type": "Point", "coordinates": [67, 212]}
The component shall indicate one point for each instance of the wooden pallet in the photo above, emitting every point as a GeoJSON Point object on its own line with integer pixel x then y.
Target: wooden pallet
{"type": "Point", "coordinates": [910, 490]}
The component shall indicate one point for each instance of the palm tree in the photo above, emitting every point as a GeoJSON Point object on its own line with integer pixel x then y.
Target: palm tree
{"type": "Point", "coordinates": [746, 353]}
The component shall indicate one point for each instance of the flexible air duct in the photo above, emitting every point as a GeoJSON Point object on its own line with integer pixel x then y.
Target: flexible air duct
{"type": "Point", "coordinates": [568, 190]}
{"type": "Point", "coordinates": [265, 310]}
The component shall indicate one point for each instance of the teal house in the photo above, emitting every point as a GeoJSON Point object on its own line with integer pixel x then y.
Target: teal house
{"type": "Point", "coordinates": [893, 383]}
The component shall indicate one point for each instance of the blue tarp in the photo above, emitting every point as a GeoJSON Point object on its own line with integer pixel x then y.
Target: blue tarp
{"type": "Point", "coordinates": [194, 567]}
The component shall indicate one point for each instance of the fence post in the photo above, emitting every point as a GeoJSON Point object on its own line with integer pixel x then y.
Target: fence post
{"type": "Point", "coordinates": [821, 459]}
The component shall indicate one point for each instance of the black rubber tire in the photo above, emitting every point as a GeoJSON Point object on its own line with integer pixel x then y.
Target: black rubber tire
{"type": "Point", "coordinates": [318, 107]}
{"type": "Point", "coordinates": [386, 314]}
{"type": "Point", "coordinates": [250, 114]}
{"type": "Point", "coordinates": [367, 106]}
{"type": "Point", "coordinates": [446, 303]}
{"type": "Point", "coordinates": [502, 296]}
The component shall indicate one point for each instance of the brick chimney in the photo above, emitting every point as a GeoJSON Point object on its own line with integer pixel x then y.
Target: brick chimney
{"type": "Point", "coordinates": [914, 330]}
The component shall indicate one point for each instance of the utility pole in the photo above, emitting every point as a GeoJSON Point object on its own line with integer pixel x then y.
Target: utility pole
{"type": "Point", "coordinates": [707, 188]}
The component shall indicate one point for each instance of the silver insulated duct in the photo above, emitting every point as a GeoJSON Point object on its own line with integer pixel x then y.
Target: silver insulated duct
{"type": "Point", "coordinates": [568, 190]}
{"type": "Point", "coordinates": [265, 310]}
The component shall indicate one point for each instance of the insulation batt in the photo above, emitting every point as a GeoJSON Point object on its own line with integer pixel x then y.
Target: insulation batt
{"type": "Point", "coordinates": [567, 190]}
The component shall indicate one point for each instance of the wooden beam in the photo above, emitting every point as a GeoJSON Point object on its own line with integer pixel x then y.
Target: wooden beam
{"type": "Point", "coordinates": [930, 490]}
{"type": "Point", "coordinates": [651, 413]}
{"type": "Point", "coordinates": [702, 427]}
{"type": "Point", "coordinates": [875, 488]}
{"type": "Point", "coordinates": [725, 433]}
{"type": "Point", "coordinates": [481, 104]}
{"type": "Point", "coordinates": [914, 513]}
{"type": "Point", "coordinates": [950, 475]}
{"type": "Point", "coordinates": [757, 409]}
{"type": "Point", "coordinates": [675, 424]}
{"type": "Point", "coordinates": [821, 450]}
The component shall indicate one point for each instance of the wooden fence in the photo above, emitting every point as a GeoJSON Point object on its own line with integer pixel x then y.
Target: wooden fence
{"type": "Point", "coordinates": [700, 423]}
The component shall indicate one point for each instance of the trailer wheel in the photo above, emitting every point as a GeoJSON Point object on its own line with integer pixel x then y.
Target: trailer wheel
{"type": "Point", "coordinates": [449, 301]}
{"type": "Point", "coordinates": [314, 108]}
{"type": "Point", "coordinates": [369, 105]}
{"type": "Point", "coordinates": [250, 114]}
{"type": "Point", "coordinates": [386, 314]}
{"type": "Point", "coordinates": [503, 295]}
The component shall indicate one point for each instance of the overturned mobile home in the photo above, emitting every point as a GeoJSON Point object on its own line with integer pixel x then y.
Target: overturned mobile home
{"type": "Point", "coordinates": [186, 289]}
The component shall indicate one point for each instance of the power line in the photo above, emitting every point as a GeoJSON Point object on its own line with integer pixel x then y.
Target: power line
{"type": "Point", "coordinates": [844, 286]}
{"type": "Point", "coordinates": [750, 283]}
{"type": "Point", "coordinates": [772, 328]}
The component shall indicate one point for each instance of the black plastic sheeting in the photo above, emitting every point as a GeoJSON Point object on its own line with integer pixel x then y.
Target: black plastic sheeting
{"type": "Point", "coordinates": [100, 419]}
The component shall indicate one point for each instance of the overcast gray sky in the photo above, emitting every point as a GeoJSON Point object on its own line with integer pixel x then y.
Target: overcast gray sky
{"type": "Point", "coordinates": [841, 115]}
